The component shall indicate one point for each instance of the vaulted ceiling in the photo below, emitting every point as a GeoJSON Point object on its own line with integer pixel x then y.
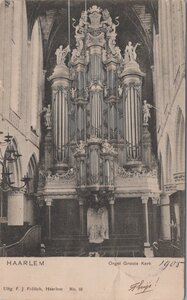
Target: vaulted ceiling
{"type": "Point", "coordinates": [136, 22]}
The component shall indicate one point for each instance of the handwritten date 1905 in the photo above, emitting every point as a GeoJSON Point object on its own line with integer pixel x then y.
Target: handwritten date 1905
{"type": "Point", "coordinates": [169, 264]}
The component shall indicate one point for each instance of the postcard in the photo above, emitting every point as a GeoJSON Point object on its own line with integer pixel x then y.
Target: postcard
{"type": "Point", "coordinates": [92, 149]}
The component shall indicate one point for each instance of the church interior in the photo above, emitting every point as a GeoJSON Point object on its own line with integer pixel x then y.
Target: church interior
{"type": "Point", "coordinates": [92, 128]}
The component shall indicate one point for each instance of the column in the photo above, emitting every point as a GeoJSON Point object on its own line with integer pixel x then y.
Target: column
{"type": "Point", "coordinates": [155, 219]}
{"type": "Point", "coordinates": [48, 202]}
{"type": "Point", "coordinates": [165, 217]}
{"type": "Point", "coordinates": [16, 208]}
{"type": "Point", "coordinates": [7, 54]}
{"type": "Point", "coordinates": [41, 215]}
{"type": "Point", "coordinates": [112, 215]}
{"type": "Point", "coordinates": [82, 221]}
{"type": "Point", "coordinates": [177, 215]}
{"type": "Point", "coordinates": [148, 251]}
{"type": "Point", "coordinates": [164, 53]}
{"type": "Point", "coordinates": [146, 218]}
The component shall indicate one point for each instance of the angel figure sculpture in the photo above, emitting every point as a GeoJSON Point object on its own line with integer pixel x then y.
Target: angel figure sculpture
{"type": "Point", "coordinates": [47, 116]}
{"type": "Point", "coordinates": [108, 21]}
{"type": "Point", "coordinates": [130, 52]}
{"type": "Point", "coordinates": [146, 111]}
{"type": "Point", "coordinates": [61, 54]}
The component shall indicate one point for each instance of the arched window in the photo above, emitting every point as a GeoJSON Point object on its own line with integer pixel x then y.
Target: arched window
{"type": "Point", "coordinates": [36, 69]}
{"type": "Point", "coordinates": [30, 205]}
{"type": "Point", "coordinates": [15, 166]}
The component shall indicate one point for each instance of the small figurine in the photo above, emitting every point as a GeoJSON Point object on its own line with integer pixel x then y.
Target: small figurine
{"type": "Point", "coordinates": [146, 111]}
{"type": "Point", "coordinates": [120, 91]}
{"type": "Point", "coordinates": [47, 116]}
{"type": "Point", "coordinates": [73, 92]}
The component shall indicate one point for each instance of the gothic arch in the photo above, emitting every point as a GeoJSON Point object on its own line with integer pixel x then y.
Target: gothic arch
{"type": "Point", "coordinates": [15, 167]}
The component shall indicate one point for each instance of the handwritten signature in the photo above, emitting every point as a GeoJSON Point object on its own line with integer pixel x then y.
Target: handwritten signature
{"type": "Point", "coordinates": [141, 287]}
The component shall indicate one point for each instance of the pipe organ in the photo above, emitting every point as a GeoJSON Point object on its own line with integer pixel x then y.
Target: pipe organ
{"type": "Point", "coordinates": [97, 129]}
{"type": "Point", "coordinates": [103, 90]}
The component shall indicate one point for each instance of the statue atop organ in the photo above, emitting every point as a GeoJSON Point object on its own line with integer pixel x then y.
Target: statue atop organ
{"type": "Point", "coordinates": [130, 52]}
{"type": "Point", "coordinates": [61, 55]}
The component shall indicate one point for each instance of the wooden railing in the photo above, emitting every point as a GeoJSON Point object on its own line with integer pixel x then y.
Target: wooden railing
{"type": "Point", "coordinates": [29, 245]}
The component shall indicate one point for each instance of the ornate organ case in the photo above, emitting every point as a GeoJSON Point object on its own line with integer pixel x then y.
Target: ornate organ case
{"type": "Point", "coordinates": [98, 139]}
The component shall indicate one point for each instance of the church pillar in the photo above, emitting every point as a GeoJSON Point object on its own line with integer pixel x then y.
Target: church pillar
{"type": "Point", "coordinates": [112, 215]}
{"type": "Point", "coordinates": [147, 247]}
{"type": "Point", "coordinates": [146, 218]}
{"type": "Point", "coordinates": [155, 219]}
{"type": "Point", "coordinates": [82, 221]}
{"type": "Point", "coordinates": [165, 217]}
{"type": "Point", "coordinates": [177, 215]}
{"type": "Point", "coordinates": [48, 202]}
{"type": "Point", "coordinates": [41, 215]}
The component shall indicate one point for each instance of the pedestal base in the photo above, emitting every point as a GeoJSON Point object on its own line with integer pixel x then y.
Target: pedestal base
{"type": "Point", "coordinates": [148, 251]}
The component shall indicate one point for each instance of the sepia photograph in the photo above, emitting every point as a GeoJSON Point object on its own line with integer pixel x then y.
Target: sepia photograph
{"type": "Point", "coordinates": [92, 133]}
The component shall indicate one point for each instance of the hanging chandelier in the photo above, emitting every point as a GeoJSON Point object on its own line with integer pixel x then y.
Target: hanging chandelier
{"type": "Point", "coordinates": [10, 157]}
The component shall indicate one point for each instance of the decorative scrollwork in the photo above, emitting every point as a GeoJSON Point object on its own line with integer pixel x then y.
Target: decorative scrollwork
{"type": "Point", "coordinates": [136, 173]}
{"type": "Point", "coordinates": [68, 175]}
